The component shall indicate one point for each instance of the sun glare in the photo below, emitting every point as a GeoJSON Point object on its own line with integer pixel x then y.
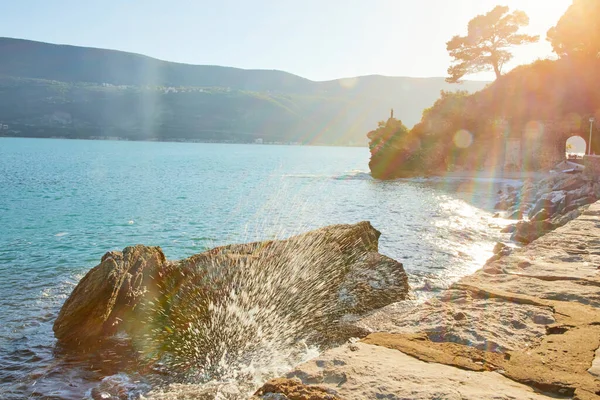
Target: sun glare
{"type": "Point", "coordinates": [463, 139]}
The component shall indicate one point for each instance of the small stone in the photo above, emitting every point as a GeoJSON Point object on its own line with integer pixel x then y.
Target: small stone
{"type": "Point", "coordinates": [97, 394]}
{"type": "Point", "coordinates": [459, 316]}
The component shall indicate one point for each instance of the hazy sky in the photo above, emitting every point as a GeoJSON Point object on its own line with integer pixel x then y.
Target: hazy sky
{"type": "Point", "coordinates": [316, 39]}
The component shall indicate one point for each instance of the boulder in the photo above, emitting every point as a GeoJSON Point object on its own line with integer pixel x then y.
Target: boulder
{"type": "Point", "coordinates": [586, 190]}
{"type": "Point", "coordinates": [527, 231]}
{"type": "Point", "coordinates": [234, 300]}
{"type": "Point", "coordinates": [552, 202]}
{"type": "Point", "coordinates": [101, 298]}
{"type": "Point", "coordinates": [567, 216]}
{"type": "Point", "coordinates": [584, 201]}
{"type": "Point", "coordinates": [569, 182]}
{"type": "Point", "coordinates": [574, 205]}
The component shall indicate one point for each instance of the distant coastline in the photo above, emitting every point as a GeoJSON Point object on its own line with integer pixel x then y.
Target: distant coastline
{"type": "Point", "coordinates": [121, 139]}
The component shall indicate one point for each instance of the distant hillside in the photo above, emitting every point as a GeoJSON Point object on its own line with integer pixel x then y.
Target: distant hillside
{"type": "Point", "coordinates": [55, 90]}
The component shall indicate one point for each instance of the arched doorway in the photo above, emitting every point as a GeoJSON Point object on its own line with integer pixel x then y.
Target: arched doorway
{"type": "Point", "coordinates": [575, 148]}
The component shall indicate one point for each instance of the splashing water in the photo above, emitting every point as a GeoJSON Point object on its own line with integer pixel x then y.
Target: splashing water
{"type": "Point", "coordinates": [249, 312]}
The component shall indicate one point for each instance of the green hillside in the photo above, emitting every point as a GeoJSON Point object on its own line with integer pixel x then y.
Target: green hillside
{"type": "Point", "coordinates": [51, 90]}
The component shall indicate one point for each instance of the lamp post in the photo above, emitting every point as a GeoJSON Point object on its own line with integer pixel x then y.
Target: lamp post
{"type": "Point", "coordinates": [592, 119]}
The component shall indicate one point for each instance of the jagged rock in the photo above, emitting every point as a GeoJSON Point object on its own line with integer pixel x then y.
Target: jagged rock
{"type": "Point", "coordinates": [569, 182]}
{"type": "Point", "coordinates": [533, 317]}
{"type": "Point", "coordinates": [527, 231]}
{"type": "Point", "coordinates": [107, 292]}
{"type": "Point", "coordinates": [302, 287]}
{"type": "Point", "coordinates": [552, 202]}
{"type": "Point", "coordinates": [567, 217]}
{"type": "Point", "coordinates": [541, 215]}
{"type": "Point", "coordinates": [586, 190]}
{"type": "Point", "coordinates": [596, 189]}
{"type": "Point", "coordinates": [584, 201]}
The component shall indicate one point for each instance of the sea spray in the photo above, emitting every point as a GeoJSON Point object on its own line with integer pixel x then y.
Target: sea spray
{"type": "Point", "coordinates": [244, 313]}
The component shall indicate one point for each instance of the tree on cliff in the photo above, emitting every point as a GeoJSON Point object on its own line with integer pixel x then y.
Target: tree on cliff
{"type": "Point", "coordinates": [394, 151]}
{"type": "Point", "coordinates": [485, 46]}
{"type": "Point", "coordinates": [577, 33]}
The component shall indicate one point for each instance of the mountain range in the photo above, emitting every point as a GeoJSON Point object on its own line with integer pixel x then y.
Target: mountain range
{"type": "Point", "coordinates": [49, 90]}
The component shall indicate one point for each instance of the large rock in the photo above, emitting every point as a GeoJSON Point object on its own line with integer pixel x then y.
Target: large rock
{"type": "Point", "coordinates": [101, 299]}
{"type": "Point", "coordinates": [552, 202]}
{"type": "Point", "coordinates": [569, 182]}
{"type": "Point", "coordinates": [235, 299]}
{"type": "Point", "coordinates": [528, 231]}
{"type": "Point", "coordinates": [568, 216]}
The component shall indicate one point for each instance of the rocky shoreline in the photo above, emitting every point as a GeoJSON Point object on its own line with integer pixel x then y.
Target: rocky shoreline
{"type": "Point", "coordinates": [547, 204]}
{"type": "Point", "coordinates": [525, 326]}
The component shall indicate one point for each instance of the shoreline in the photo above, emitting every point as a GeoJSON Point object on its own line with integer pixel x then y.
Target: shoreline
{"type": "Point", "coordinates": [526, 325]}
{"type": "Point", "coordinates": [118, 139]}
{"type": "Point", "coordinates": [518, 176]}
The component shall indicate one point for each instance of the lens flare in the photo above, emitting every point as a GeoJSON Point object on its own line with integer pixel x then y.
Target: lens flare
{"type": "Point", "coordinates": [463, 139]}
{"type": "Point", "coordinates": [534, 130]}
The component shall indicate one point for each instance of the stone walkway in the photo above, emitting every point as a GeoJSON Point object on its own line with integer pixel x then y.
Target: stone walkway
{"type": "Point", "coordinates": [526, 326]}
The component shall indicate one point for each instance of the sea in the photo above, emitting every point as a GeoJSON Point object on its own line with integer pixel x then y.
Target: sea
{"type": "Point", "coordinates": [64, 203]}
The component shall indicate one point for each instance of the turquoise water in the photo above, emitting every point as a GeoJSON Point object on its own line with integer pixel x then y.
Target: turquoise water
{"type": "Point", "coordinates": [64, 203]}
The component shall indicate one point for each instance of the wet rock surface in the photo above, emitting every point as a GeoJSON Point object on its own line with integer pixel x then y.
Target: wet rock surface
{"type": "Point", "coordinates": [526, 326]}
